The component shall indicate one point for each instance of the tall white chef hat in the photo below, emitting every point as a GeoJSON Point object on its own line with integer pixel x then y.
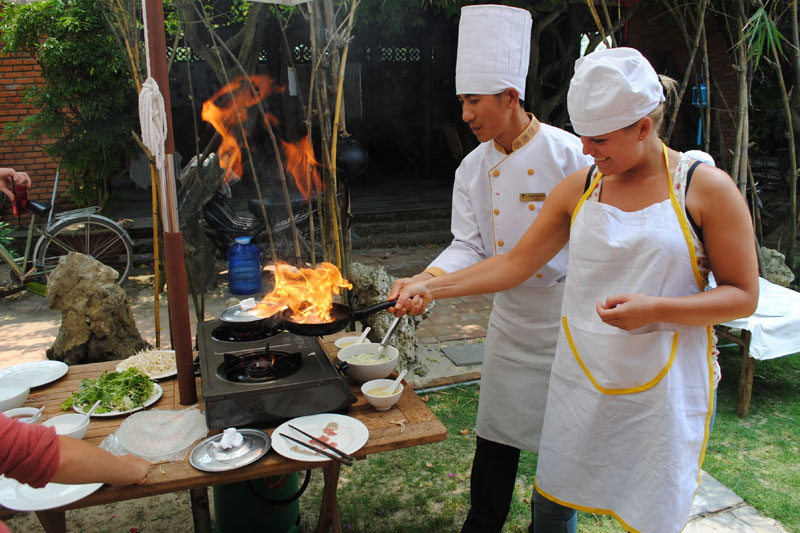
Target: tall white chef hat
{"type": "Point", "coordinates": [612, 89]}
{"type": "Point", "coordinates": [494, 44]}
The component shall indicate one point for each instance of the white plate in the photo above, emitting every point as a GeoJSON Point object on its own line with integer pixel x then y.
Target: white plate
{"type": "Point", "coordinates": [20, 497]}
{"type": "Point", "coordinates": [349, 435]}
{"type": "Point", "coordinates": [37, 373]}
{"type": "Point", "coordinates": [150, 401]}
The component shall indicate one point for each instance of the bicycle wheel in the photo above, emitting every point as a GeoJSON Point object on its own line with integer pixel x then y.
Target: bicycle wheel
{"type": "Point", "coordinates": [93, 235]}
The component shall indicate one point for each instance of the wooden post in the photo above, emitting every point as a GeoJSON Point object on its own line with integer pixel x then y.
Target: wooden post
{"type": "Point", "coordinates": [745, 376]}
{"type": "Point", "coordinates": [177, 295]}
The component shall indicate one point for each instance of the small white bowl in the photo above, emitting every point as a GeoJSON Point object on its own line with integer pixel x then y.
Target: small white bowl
{"type": "Point", "coordinates": [344, 342]}
{"type": "Point", "coordinates": [70, 425]}
{"type": "Point", "coordinates": [13, 392]}
{"type": "Point", "coordinates": [381, 403]}
{"type": "Point", "coordinates": [363, 372]}
{"type": "Point", "coordinates": [24, 414]}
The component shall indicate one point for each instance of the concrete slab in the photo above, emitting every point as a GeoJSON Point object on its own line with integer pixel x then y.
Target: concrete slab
{"type": "Point", "coordinates": [713, 496]}
{"type": "Point", "coordinates": [465, 354]}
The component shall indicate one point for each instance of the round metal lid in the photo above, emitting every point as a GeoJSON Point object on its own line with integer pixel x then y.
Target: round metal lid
{"type": "Point", "coordinates": [236, 314]}
{"type": "Point", "coordinates": [207, 458]}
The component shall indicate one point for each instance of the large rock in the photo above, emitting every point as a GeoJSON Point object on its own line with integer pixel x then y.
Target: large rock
{"type": "Point", "coordinates": [371, 285]}
{"type": "Point", "coordinates": [775, 267]}
{"type": "Point", "coordinates": [96, 319]}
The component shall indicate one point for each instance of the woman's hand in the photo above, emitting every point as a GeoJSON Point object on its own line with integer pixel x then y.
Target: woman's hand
{"type": "Point", "coordinates": [627, 311]}
{"type": "Point", "coordinates": [133, 470]}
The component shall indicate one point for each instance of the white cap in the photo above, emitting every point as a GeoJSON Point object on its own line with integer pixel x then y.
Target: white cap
{"type": "Point", "coordinates": [494, 44]}
{"type": "Point", "coordinates": [242, 240]}
{"type": "Point", "coordinates": [612, 89]}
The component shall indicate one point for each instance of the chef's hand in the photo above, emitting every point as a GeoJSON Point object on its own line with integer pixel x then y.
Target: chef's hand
{"type": "Point", "coordinates": [412, 302]}
{"type": "Point", "coordinates": [628, 311]}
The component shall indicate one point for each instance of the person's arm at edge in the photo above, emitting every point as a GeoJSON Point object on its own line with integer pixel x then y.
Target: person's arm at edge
{"type": "Point", "coordinates": [718, 207]}
{"type": "Point", "coordinates": [544, 238]}
{"type": "Point", "coordinates": [82, 462]}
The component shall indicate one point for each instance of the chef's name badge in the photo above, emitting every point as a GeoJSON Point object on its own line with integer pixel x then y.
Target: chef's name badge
{"type": "Point", "coordinates": [532, 196]}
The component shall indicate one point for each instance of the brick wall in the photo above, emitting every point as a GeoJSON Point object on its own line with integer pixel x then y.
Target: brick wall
{"type": "Point", "coordinates": [654, 32]}
{"type": "Point", "coordinates": [16, 73]}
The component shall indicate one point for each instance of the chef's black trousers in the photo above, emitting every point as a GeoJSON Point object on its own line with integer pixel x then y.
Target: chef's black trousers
{"type": "Point", "coordinates": [494, 473]}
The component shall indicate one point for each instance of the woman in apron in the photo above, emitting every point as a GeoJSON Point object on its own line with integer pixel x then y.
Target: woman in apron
{"type": "Point", "coordinates": [631, 388]}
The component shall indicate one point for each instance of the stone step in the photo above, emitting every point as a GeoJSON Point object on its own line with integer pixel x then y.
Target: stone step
{"type": "Point", "coordinates": [363, 240]}
{"type": "Point", "coordinates": [402, 214]}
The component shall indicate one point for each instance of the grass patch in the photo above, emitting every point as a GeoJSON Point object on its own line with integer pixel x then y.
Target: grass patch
{"type": "Point", "coordinates": [756, 456]}
{"type": "Point", "coordinates": [426, 488]}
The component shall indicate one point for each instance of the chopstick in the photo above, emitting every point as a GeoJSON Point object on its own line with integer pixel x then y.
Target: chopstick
{"type": "Point", "coordinates": [342, 460]}
{"type": "Point", "coordinates": [319, 441]}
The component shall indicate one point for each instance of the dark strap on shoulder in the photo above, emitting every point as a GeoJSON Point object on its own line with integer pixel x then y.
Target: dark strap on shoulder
{"type": "Point", "coordinates": [589, 178]}
{"type": "Point", "coordinates": [689, 173]}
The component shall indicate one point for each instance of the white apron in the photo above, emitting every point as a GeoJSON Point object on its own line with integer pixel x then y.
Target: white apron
{"type": "Point", "coordinates": [515, 371]}
{"type": "Point", "coordinates": [627, 412]}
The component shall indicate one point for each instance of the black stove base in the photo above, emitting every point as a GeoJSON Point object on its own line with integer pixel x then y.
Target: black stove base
{"type": "Point", "coordinates": [317, 387]}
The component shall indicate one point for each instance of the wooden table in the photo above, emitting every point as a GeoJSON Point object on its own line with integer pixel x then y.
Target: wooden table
{"type": "Point", "coordinates": [421, 427]}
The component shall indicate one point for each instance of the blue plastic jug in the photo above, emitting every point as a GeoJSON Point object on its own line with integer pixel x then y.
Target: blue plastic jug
{"type": "Point", "coordinates": [244, 269]}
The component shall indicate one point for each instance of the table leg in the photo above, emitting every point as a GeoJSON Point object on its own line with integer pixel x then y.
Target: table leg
{"type": "Point", "coordinates": [53, 521]}
{"type": "Point", "coordinates": [200, 511]}
{"type": "Point", "coordinates": [329, 519]}
{"type": "Point", "coordinates": [745, 376]}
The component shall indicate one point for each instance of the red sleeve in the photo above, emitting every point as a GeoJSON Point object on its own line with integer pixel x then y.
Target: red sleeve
{"type": "Point", "coordinates": [29, 453]}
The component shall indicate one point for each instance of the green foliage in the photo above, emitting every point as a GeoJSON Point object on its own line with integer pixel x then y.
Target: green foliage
{"type": "Point", "coordinates": [87, 104]}
{"type": "Point", "coordinates": [762, 35]}
{"type": "Point", "coordinates": [5, 235]}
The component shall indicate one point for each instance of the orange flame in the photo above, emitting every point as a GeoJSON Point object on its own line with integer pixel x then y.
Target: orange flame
{"type": "Point", "coordinates": [302, 166]}
{"type": "Point", "coordinates": [307, 292]}
{"type": "Point", "coordinates": [227, 109]}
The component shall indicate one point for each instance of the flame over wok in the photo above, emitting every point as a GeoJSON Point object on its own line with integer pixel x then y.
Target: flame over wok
{"type": "Point", "coordinates": [307, 292]}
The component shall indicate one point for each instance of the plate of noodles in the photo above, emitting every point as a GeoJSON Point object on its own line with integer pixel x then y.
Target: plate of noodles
{"type": "Point", "coordinates": [156, 363]}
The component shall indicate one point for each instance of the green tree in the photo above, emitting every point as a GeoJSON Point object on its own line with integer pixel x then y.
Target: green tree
{"type": "Point", "coordinates": [87, 104]}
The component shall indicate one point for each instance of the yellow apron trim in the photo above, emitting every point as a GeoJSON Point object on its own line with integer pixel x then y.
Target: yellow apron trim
{"type": "Point", "coordinates": [585, 509]}
{"type": "Point", "coordinates": [684, 223]}
{"type": "Point", "coordinates": [630, 390]}
{"type": "Point", "coordinates": [713, 392]}
{"type": "Point", "coordinates": [584, 197]}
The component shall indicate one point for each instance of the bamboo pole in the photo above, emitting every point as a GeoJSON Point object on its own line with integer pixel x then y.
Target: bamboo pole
{"type": "Point", "coordinates": [156, 254]}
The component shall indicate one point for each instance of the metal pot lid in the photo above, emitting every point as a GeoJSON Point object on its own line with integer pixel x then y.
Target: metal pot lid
{"type": "Point", "coordinates": [236, 314]}
{"type": "Point", "coordinates": [207, 458]}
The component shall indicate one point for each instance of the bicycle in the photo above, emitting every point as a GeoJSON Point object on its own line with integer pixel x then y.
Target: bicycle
{"type": "Point", "coordinates": [79, 230]}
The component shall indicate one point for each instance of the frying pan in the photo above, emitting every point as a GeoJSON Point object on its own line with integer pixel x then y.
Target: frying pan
{"type": "Point", "coordinates": [240, 320]}
{"type": "Point", "coordinates": [342, 315]}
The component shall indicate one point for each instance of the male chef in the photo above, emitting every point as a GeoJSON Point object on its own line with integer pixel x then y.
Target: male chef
{"type": "Point", "coordinates": [499, 188]}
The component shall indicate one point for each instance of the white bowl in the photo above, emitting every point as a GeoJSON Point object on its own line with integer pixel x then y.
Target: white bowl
{"type": "Point", "coordinates": [24, 414]}
{"type": "Point", "coordinates": [344, 342]}
{"type": "Point", "coordinates": [13, 392]}
{"type": "Point", "coordinates": [70, 425]}
{"type": "Point", "coordinates": [363, 372]}
{"type": "Point", "coordinates": [381, 403]}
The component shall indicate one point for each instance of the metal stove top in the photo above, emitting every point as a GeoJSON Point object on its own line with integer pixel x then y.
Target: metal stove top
{"type": "Point", "coordinates": [316, 387]}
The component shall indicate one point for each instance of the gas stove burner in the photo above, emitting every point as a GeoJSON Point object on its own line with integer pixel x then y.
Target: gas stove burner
{"type": "Point", "coordinates": [259, 366]}
{"type": "Point", "coordinates": [228, 334]}
{"type": "Point", "coordinates": [241, 389]}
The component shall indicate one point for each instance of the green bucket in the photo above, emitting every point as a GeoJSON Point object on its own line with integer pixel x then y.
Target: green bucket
{"type": "Point", "coordinates": [269, 504]}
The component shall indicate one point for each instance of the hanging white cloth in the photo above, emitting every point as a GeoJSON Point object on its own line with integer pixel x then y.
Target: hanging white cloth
{"type": "Point", "coordinates": [152, 113]}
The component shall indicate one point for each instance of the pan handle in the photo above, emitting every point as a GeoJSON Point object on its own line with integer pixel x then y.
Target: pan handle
{"type": "Point", "coordinates": [359, 314]}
